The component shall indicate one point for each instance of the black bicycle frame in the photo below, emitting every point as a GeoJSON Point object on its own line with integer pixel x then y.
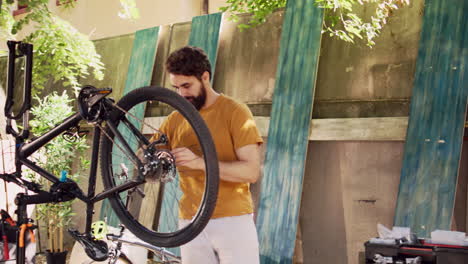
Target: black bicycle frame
{"type": "Point", "coordinates": [23, 149]}
{"type": "Point", "coordinates": [27, 149]}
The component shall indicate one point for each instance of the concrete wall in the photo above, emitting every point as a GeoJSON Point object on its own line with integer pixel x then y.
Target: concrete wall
{"type": "Point", "coordinates": [349, 187]}
{"type": "Point", "coordinates": [246, 69]}
{"type": "Point", "coordinates": [356, 81]}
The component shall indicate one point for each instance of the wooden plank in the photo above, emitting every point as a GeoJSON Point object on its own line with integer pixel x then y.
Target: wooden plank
{"type": "Point", "coordinates": [149, 205]}
{"type": "Point", "coordinates": [139, 74]}
{"type": "Point", "coordinates": [370, 129]}
{"type": "Point", "coordinates": [434, 139]}
{"type": "Point", "coordinates": [288, 134]}
{"type": "Point", "coordinates": [204, 34]}
{"type": "Point", "coordinates": [141, 65]}
{"type": "Point", "coordinates": [335, 129]}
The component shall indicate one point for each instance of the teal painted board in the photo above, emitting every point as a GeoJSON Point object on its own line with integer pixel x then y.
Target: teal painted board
{"type": "Point", "coordinates": [204, 34]}
{"type": "Point", "coordinates": [436, 123]}
{"type": "Point", "coordinates": [140, 71]}
{"type": "Point", "coordinates": [288, 133]}
{"type": "Point", "coordinates": [142, 61]}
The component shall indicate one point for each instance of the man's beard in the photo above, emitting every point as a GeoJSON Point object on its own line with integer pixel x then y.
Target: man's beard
{"type": "Point", "coordinates": [198, 101]}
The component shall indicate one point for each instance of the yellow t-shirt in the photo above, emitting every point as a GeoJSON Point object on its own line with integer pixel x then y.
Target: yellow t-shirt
{"type": "Point", "coordinates": [231, 126]}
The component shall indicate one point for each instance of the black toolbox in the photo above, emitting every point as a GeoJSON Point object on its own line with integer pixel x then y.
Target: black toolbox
{"type": "Point", "coordinates": [428, 253]}
{"type": "Point", "coordinates": [401, 253]}
{"type": "Point", "coordinates": [445, 255]}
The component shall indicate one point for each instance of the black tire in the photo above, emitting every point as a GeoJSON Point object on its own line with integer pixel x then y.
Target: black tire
{"type": "Point", "coordinates": [156, 237]}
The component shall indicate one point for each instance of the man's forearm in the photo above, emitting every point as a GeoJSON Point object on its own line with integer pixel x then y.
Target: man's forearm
{"type": "Point", "coordinates": [245, 169]}
{"type": "Point", "coordinates": [238, 171]}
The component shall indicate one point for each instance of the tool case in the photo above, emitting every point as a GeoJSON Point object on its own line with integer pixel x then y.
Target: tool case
{"type": "Point", "coordinates": [409, 253]}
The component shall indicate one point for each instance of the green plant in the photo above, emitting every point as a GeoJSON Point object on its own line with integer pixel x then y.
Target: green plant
{"type": "Point", "coordinates": [6, 24]}
{"type": "Point", "coordinates": [129, 10]}
{"type": "Point", "coordinates": [61, 52]}
{"type": "Point", "coordinates": [56, 157]}
{"type": "Point", "coordinates": [341, 18]}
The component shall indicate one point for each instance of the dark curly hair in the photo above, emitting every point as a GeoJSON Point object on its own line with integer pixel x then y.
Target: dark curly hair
{"type": "Point", "coordinates": [189, 61]}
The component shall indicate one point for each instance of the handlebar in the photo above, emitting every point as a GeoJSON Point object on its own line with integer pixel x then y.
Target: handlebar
{"type": "Point", "coordinates": [163, 254]}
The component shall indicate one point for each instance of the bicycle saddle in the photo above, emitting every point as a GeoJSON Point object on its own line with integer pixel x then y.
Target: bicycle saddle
{"type": "Point", "coordinates": [88, 99]}
{"type": "Point", "coordinates": [95, 249]}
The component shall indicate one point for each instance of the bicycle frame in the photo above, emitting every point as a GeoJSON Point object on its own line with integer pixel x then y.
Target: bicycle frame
{"type": "Point", "coordinates": [64, 190]}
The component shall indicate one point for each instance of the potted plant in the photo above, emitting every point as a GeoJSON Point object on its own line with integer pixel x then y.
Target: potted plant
{"type": "Point", "coordinates": [56, 157]}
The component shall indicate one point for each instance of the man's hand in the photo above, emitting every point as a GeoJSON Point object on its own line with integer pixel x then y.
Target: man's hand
{"type": "Point", "coordinates": [245, 169]}
{"type": "Point", "coordinates": [186, 158]}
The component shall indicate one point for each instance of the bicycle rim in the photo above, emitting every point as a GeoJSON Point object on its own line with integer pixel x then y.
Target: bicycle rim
{"type": "Point", "coordinates": [151, 211]}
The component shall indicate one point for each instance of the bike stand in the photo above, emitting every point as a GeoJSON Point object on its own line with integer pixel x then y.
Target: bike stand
{"type": "Point", "coordinates": [22, 200]}
{"type": "Point", "coordinates": [24, 223]}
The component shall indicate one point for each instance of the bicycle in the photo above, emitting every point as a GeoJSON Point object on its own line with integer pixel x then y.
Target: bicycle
{"type": "Point", "coordinates": [126, 156]}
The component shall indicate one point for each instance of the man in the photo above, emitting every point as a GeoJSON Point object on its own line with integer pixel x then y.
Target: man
{"type": "Point", "coordinates": [230, 236]}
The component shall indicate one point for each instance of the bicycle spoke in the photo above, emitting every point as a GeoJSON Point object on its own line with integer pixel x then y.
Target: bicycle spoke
{"type": "Point", "coordinates": [126, 146]}
{"type": "Point", "coordinates": [172, 214]}
{"type": "Point", "coordinates": [110, 138]}
{"type": "Point", "coordinates": [120, 156]}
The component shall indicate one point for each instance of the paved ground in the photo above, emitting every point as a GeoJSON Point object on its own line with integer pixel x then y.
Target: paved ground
{"type": "Point", "coordinates": [40, 259]}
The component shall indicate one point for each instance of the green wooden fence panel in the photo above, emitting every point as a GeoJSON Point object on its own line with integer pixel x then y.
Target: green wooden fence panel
{"type": "Point", "coordinates": [288, 134]}
{"type": "Point", "coordinates": [204, 34]}
{"type": "Point", "coordinates": [139, 74]}
{"type": "Point", "coordinates": [436, 123]}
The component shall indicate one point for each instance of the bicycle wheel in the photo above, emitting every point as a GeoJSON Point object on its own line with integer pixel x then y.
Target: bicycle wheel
{"type": "Point", "coordinates": [150, 210]}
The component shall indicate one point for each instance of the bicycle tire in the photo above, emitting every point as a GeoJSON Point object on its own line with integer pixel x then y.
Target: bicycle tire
{"type": "Point", "coordinates": [187, 110]}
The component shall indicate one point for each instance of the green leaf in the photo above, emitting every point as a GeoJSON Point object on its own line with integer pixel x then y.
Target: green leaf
{"type": "Point", "coordinates": [340, 18]}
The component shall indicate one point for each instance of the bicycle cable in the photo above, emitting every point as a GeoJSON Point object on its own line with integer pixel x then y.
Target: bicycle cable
{"type": "Point", "coordinates": [132, 115]}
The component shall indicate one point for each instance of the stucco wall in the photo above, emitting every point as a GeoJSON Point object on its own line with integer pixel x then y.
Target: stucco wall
{"type": "Point", "coordinates": [100, 19]}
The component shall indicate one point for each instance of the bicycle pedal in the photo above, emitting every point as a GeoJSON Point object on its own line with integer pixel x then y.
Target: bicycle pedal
{"type": "Point", "coordinates": [95, 249]}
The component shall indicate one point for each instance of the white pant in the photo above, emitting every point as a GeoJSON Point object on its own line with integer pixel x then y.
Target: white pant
{"type": "Point", "coordinates": [224, 240]}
